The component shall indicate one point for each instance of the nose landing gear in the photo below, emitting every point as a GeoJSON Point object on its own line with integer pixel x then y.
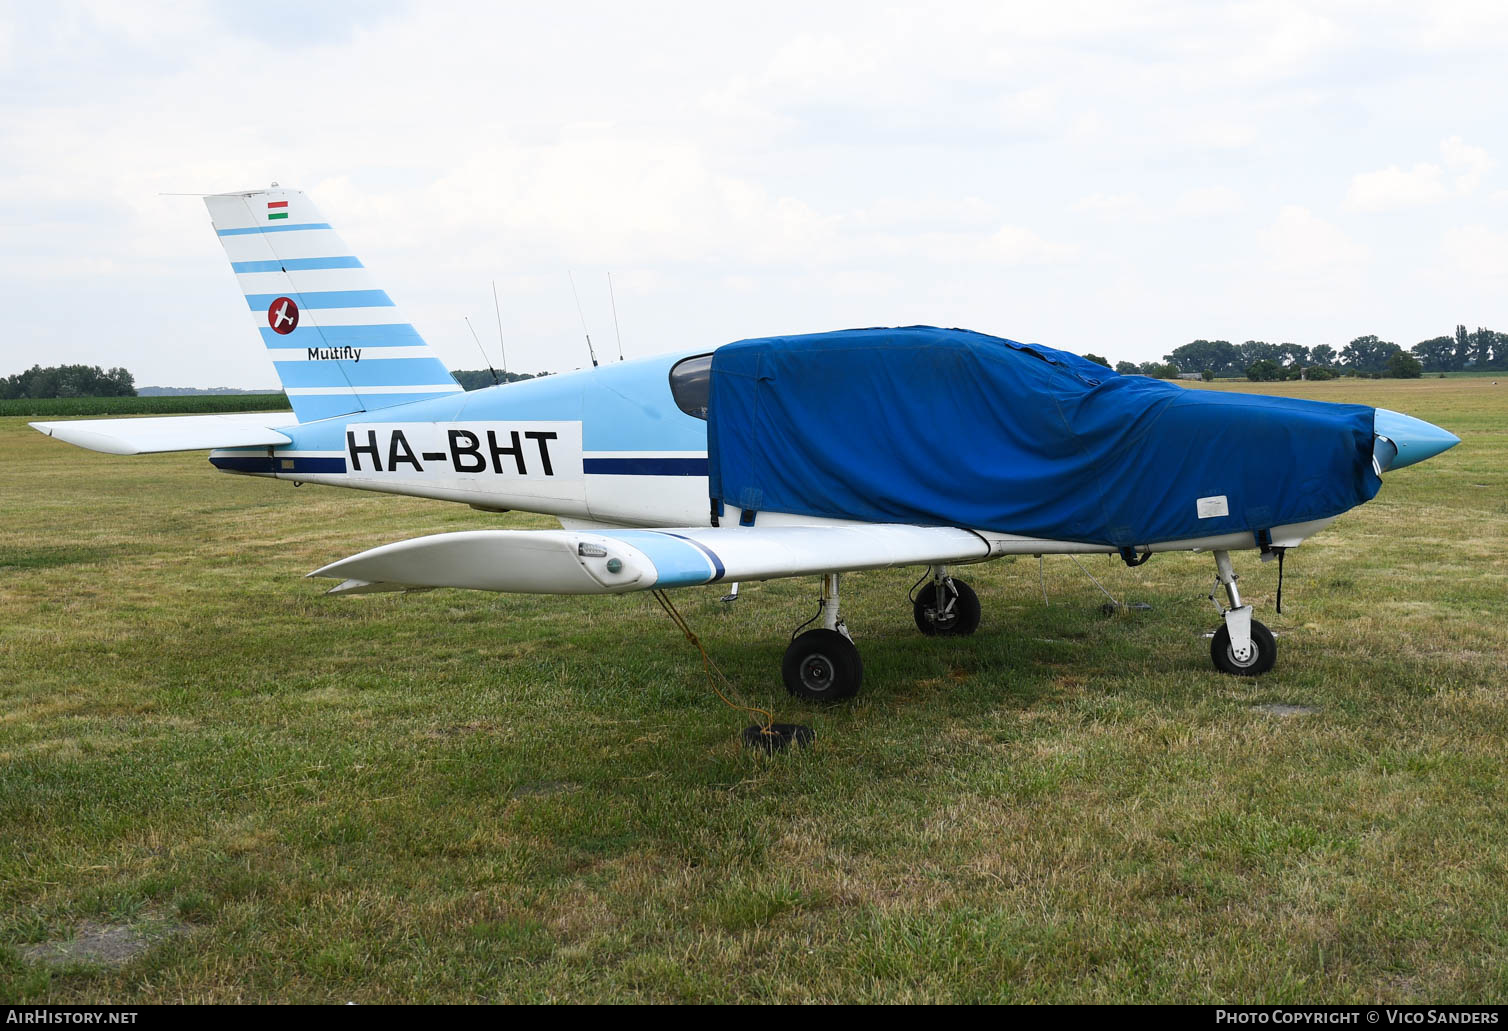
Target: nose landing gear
{"type": "Point", "coordinates": [1242, 647]}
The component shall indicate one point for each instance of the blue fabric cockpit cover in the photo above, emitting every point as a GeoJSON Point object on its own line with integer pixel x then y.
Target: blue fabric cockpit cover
{"type": "Point", "coordinates": [953, 428]}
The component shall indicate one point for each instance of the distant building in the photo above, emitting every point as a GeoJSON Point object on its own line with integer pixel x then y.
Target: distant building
{"type": "Point", "coordinates": [1199, 376]}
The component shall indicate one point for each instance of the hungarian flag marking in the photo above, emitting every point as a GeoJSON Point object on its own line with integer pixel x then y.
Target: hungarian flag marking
{"type": "Point", "coordinates": [277, 209]}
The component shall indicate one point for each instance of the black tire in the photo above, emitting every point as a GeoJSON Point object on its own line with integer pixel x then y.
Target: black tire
{"type": "Point", "coordinates": [822, 666]}
{"type": "Point", "coordinates": [961, 619]}
{"type": "Point", "coordinates": [1265, 654]}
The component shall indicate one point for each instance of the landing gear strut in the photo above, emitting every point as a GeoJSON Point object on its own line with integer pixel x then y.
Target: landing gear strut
{"type": "Point", "coordinates": [1242, 647]}
{"type": "Point", "coordinates": [946, 607]}
{"type": "Point", "coordinates": [823, 665]}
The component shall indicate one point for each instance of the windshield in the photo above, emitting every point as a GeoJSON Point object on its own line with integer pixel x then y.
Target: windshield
{"type": "Point", "coordinates": [690, 384]}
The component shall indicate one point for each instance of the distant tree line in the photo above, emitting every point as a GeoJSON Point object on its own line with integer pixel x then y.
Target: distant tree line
{"type": "Point", "coordinates": [476, 379]}
{"type": "Point", "coordinates": [1482, 350]}
{"type": "Point", "coordinates": [195, 391]}
{"type": "Point", "coordinates": [68, 381]}
{"type": "Point", "coordinates": [1159, 370]}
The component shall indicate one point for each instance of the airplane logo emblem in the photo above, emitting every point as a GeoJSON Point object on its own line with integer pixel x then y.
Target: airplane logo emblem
{"type": "Point", "coordinates": [282, 315]}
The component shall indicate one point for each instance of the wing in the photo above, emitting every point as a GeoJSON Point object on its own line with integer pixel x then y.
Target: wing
{"type": "Point", "coordinates": [174, 433]}
{"type": "Point", "coordinates": [618, 561]}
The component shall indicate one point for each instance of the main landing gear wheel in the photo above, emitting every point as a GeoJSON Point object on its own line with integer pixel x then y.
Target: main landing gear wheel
{"type": "Point", "coordinates": [822, 666]}
{"type": "Point", "coordinates": [946, 608]}
{"type": "Point", "coordinates": [1264, 652]}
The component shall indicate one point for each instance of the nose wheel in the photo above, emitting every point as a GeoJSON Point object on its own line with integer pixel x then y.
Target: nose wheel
{"type": "Point", "coordinates": [1262, 652]}
{"type": "Point", "coordinates": [1241, 647]}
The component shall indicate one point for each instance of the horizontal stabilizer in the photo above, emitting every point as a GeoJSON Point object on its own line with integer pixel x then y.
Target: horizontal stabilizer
{"type": "Point", "coordinates": [617, 561]}
{"type": "Point", "coordinates": [173, 433]}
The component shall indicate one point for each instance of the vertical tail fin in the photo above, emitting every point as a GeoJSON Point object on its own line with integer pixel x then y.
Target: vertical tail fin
{"type": "Point", "coordinates": [339, 344]}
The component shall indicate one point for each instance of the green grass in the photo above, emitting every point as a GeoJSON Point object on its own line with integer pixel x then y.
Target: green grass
{"type": "Point", "coordinates": [200, 404]}
{"type": "Point", "coordinates": [467, 797]}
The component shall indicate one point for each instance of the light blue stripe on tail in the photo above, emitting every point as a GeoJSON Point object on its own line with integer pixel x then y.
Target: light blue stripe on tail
{"type": "Point", "coordinates": [308, 301]}
{"type": "Point", "coordinates": [278, 227]}
{"type": "Point", "coordinates": [328, 406]}
{"type": "Point", "coordinates": [342, 336]}
{"type": "Point", "coordinates": [368, 372]}
{"type": "Point", "coordinates": [294, 264]}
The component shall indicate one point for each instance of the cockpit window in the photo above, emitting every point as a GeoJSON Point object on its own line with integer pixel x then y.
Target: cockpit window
{"type": "Point", "coordinates": [691, 383]}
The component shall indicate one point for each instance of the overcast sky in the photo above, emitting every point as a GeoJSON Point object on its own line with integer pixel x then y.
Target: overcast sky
{"type": "Point", "coordinates": [1115, 177]}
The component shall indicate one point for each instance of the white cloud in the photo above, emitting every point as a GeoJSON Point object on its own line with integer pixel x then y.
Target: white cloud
{"type": "Point", "coordinates": [1200, 202]}
{"type": "Point", "coordinates": [1478, 258]}
{"type": "Point", "coordinates": [928, 211]}
{"type": "Point", "coordinates": [1016, 245]}
{"type": "Point", "coordinates": [741, 284]}
{"type": "Point", "coordinates": [600, 198]}
{"type": "Point", "coordinates": [1426, 183]}
{"type": "Point", "coordinates": [1220, 135]}
{"type": "Point", "coordinates": [829, 68]}
{"type": "Point", "coordinates": [1208, 201]}
{"type": "Point", "coordinates": [1033, 108]}
{"type": "Point", "coordinates": [1459, 24]}
{"type": "Point", "coordinates": [1393, 188]}
{"type": "Point", "coordinates": [1468, 163]}
{"type": "Point", "coordinates": [1309, 250]}
{"type": "Point", "coordinates": [1280, 38]}
{"type": "Point", "coordinates": [1113, 207]}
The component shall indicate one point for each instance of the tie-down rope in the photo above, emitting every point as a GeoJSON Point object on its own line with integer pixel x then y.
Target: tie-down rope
{"type": "Point", "coordinates": [714, 674]}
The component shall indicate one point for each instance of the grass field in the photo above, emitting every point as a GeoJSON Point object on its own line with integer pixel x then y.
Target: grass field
{"type": "Point", "coordinates": [218, 785]}
{"type": "Point", "coordinates": [63, 407]}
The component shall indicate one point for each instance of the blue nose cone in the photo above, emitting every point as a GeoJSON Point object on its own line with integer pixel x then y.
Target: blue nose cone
{"type": "Point", "coordinates": [1414, 439]}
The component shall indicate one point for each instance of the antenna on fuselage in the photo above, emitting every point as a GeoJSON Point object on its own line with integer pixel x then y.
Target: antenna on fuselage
{"type": "Point", "coordinates": [574, 294]}
{"type": "Point", "coordinates": [479, 347]}
{"type": "Point", "coordinates": [498, 308]}
{"type": "Point", "coordinates": [616, 330]}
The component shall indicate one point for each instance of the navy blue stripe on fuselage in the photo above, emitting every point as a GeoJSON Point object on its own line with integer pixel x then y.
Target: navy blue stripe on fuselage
{"type": "Point", "coordinates": [591, 466]}
{"type": "Point", "coordinates": [265, 464]}
{"type": "Point", "coordinates": [645, 466]}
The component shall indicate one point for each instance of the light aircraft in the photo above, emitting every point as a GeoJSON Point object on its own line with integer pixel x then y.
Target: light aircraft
{"type": "Point", "coordinates": [807, 455]}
